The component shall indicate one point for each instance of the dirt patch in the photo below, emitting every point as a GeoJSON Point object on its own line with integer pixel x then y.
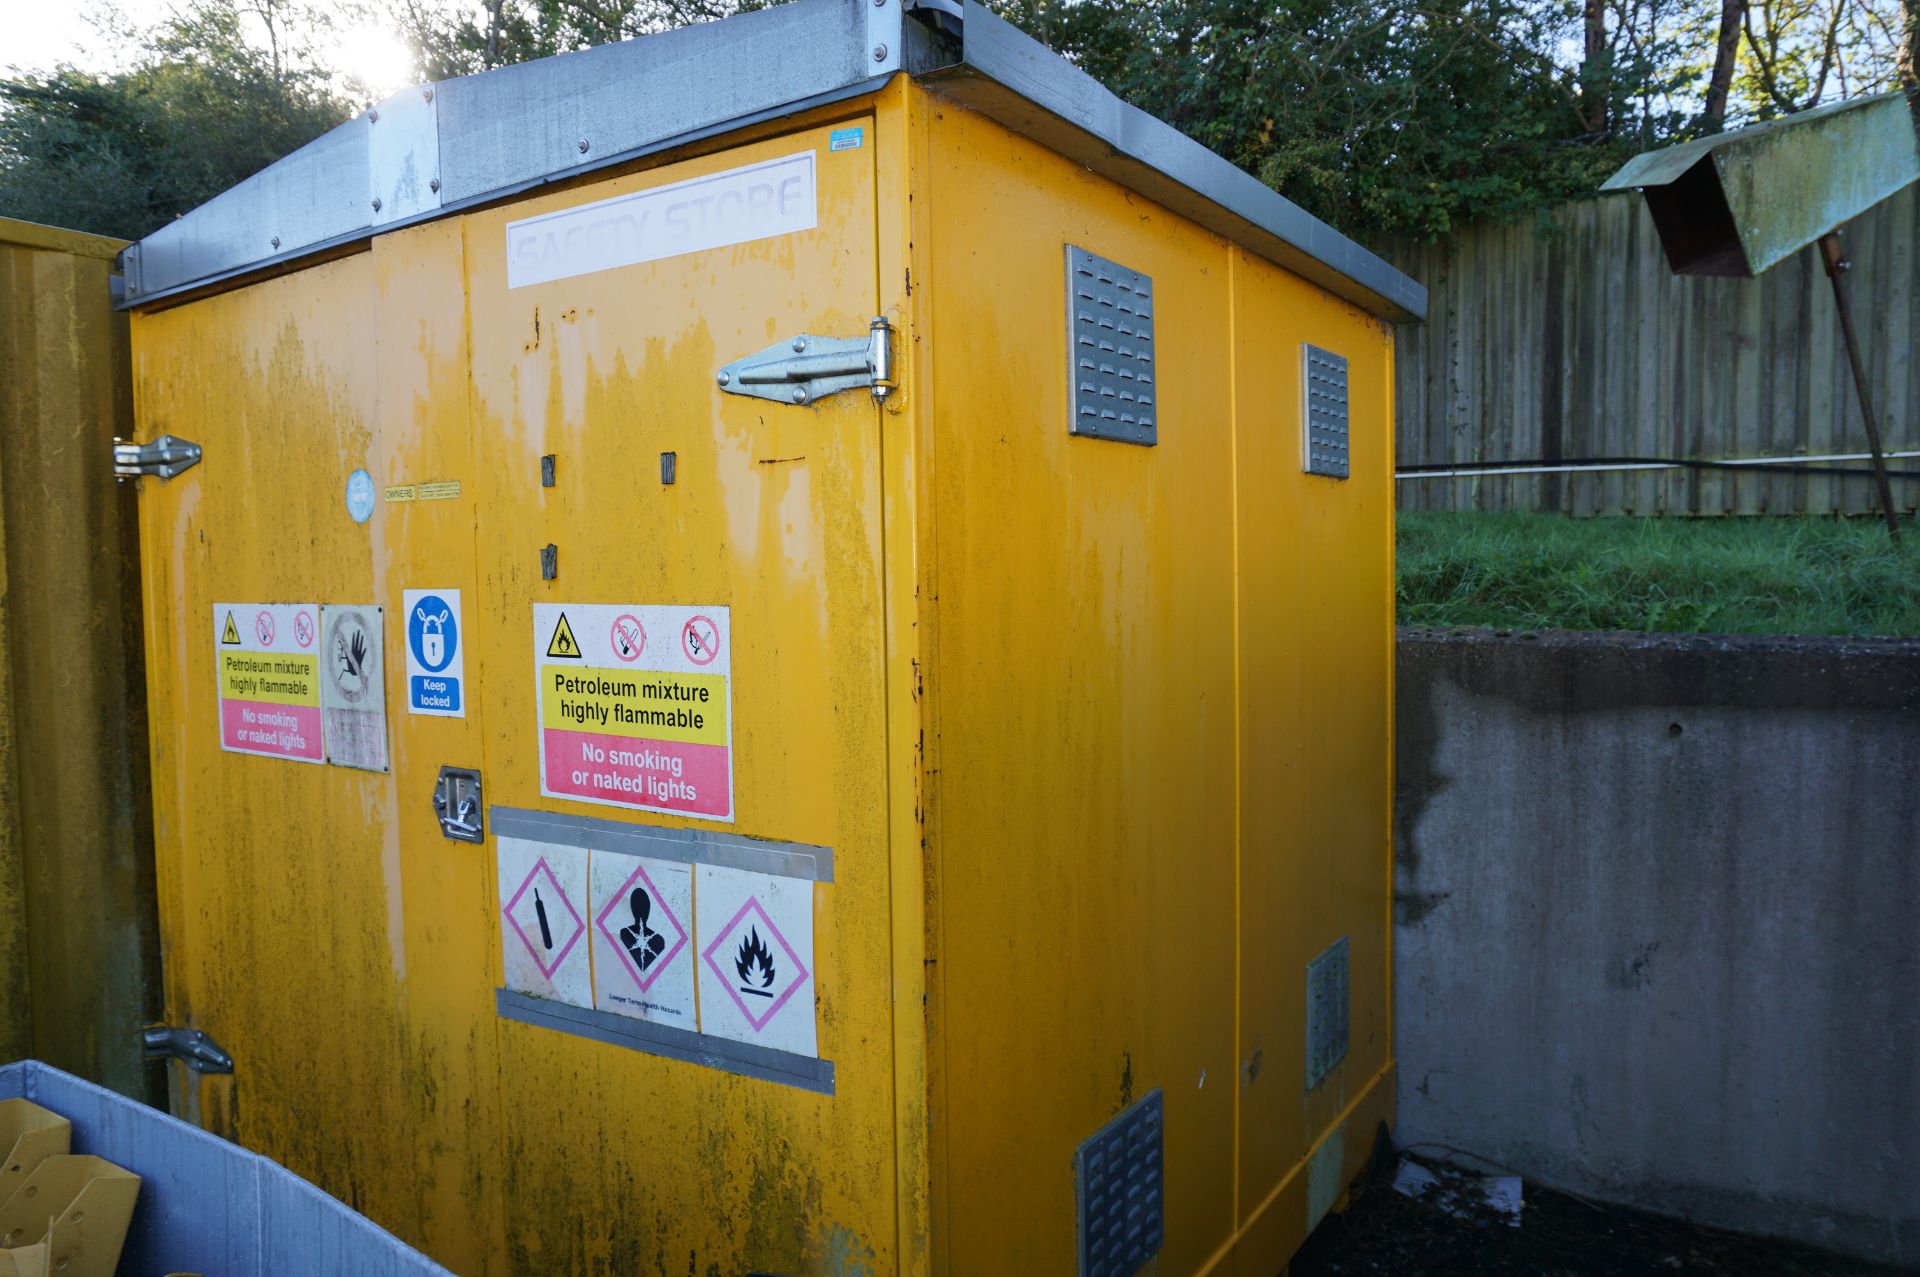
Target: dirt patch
{"type": "Point", "coordinates": [1385, 1234]}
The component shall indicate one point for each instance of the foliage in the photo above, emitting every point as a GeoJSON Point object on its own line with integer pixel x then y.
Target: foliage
{"type": "Point", "coordinates": [482, 34]}
{"type": "Point", "coordinates": [1713, 576]}
{"type": "Point", "coordinates": [1405, 117]}
{"type": "Point", "coordinates": [122, 153]}
{"type": "Point", "coordinates": [1799, 53]}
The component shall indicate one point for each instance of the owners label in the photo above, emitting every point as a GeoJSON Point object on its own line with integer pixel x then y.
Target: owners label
{"type": "Point", "coordinates": [636, 705]}
{"type": "Point", "coordinates": [267, 662]}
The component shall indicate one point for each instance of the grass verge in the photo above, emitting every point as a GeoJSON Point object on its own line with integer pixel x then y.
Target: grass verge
{"type": "Point", "coordinates": [1700, 576]}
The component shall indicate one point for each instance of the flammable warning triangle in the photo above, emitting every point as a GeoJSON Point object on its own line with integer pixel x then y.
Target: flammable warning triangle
{"type": "Point", "coordinates": [230, 634]}
{"type": "Point", "coordinates": [562, 642]}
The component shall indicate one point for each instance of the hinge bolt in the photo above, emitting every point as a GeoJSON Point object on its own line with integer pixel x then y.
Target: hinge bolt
{"type": "Point", "coordinates": [799, 344]}
{"type": "Point", "coordinates": [879, 53]}
{"type": "Point", "coordinates": [726, 378]}
{"type": "Point", "coordinates": [583, 146]}
{"type": "Point", "coordinates": [799, 396]}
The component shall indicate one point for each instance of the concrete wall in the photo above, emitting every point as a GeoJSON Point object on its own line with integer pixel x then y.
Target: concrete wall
{"type": "Point", "coordinates": [1659, 923]}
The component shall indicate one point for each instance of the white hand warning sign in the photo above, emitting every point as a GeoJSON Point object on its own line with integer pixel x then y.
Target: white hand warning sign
{"type": "Point", "coordinates": [353, 692]}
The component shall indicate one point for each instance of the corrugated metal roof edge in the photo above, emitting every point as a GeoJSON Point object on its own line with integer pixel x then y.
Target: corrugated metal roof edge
{"type": "Point", "coordinates": [1001, 72]}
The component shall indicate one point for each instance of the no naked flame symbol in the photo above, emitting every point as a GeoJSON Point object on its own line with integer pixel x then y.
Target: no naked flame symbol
{"type": "Point", "coordinates": [755, 959]}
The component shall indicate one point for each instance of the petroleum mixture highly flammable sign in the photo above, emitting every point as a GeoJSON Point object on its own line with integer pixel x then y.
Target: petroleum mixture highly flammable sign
{"type": "Point", "coordinates": [636, 706]}
{"type": "Point", "coordinates": [268, 658]}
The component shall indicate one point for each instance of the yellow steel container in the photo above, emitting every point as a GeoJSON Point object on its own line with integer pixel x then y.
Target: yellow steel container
{"type": "Point", "coordinates": [79, 954]}
{"type": "Point", "coordinates": [905, 746]}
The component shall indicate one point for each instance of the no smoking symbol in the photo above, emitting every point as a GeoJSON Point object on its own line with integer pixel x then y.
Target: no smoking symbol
{"type": "Point", "coordinates": [629, 640]}
{"type": "Point", "coordinates": [700, 639]}
{"type": "Point", "coordinates": [302, 630]}
{"type": "Point", "coordinates": [263, 628]}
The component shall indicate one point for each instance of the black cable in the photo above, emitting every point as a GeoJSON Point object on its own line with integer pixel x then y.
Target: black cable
{"type": "Point", "coordinates": [1574, 466]}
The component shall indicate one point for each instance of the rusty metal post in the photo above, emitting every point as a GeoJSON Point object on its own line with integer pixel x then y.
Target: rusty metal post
{"type": "Point", "coordinates": [1833, 255]}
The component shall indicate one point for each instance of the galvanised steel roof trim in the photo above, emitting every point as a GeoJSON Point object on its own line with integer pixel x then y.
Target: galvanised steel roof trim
{"type": "Point", "coordinates": [435, 149]}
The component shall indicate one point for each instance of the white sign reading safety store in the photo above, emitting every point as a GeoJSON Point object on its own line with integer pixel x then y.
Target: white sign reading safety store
{"type": "Point", "coordinates": [776, 197]}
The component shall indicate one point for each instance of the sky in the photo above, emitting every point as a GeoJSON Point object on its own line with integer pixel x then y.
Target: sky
{"type": "Point", "coordinates": [37, 34]}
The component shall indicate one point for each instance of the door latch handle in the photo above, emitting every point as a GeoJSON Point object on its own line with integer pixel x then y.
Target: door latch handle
{"type": "Point", "coordinates": [191, 1046]}
{"type": "Point", "coordinates": [456, 801]}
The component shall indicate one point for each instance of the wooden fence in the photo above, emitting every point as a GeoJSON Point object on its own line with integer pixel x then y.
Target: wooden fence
{"type": "Point", "coordinates": [1572, 339]}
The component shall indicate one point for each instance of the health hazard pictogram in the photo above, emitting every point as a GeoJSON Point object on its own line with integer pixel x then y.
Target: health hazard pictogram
{"type": "Point", "coordinates": [563, 643]}
{"type": "Point", "coordinates": [544, 919]}
{"type": "Point", "coordinates": [758, 968]}
{"type": "Point", "coordinates": [231, 632]}
{"type": "Point", "coordinates": [640, 925]}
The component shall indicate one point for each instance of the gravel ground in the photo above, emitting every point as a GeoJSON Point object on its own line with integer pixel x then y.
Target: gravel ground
{"type": "Point", "coordinates": [1384, 1233]}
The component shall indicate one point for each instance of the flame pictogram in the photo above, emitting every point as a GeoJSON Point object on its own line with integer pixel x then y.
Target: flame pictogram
{"type": "Point", "coordinates": [755, 960]}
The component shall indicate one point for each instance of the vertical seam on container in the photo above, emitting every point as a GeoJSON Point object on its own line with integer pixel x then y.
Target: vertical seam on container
{"type": "Point", "coordinates": [1239, 697]}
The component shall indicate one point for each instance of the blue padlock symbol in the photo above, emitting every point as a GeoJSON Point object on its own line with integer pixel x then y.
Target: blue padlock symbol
{"type": "Point", "coordinates": [433, 637]}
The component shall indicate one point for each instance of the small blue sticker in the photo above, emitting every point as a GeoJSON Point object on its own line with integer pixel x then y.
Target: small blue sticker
{"type": "Point", "coordinates": [360, 496]}
{"type": "Point", "coordinates": [846, 139]}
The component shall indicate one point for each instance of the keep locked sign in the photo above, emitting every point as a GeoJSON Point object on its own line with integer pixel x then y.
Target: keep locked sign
{"type": "Point", "coordinates": [436, 663]}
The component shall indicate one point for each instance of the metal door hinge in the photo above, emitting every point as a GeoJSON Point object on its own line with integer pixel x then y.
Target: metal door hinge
{"type": "Point", "coordinates": [806, 368]}
{"type": "Point", "coordinates": [200, 1052]}
{"type": "Point", "coordinates": [163, 458]}
{"type": "Point", "coordinates": [456, 800]}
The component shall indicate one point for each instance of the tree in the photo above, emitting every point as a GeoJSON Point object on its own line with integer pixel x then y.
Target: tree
{"type": "Point", "coordinates": [123, 153]}
{"type": "Point", "coordinates": [1800, 53]}
{"type": "Point", "coordinates": [1726, 52]}
{"type": "Point", "coordinates": [478, 35]}
{"type": "Point", "coordinates": [1387, 116]}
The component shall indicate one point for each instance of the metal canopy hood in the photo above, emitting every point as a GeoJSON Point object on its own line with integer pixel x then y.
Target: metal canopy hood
{"type": "Point", "coordinates": [1741, 202]}
{"type": "Point", "coordinates": [435, 149]}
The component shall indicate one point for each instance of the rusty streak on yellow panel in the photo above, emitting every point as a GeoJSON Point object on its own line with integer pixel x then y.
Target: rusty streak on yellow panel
{"type": "Point", "coordinates": [900, 158]}
{"type": "Point", "coordinates": [282, 896]}
{"type": "Point", "coordinates": [1084, 812]}
{"type": "Point", "coordinates": [777, 514]}
{"type": "Point", "coordinates": [450, 1064]}
{"type": "Point", "coordinates": [79, 955]}
{"type": "Point", "coordinates": [1161, 697]}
